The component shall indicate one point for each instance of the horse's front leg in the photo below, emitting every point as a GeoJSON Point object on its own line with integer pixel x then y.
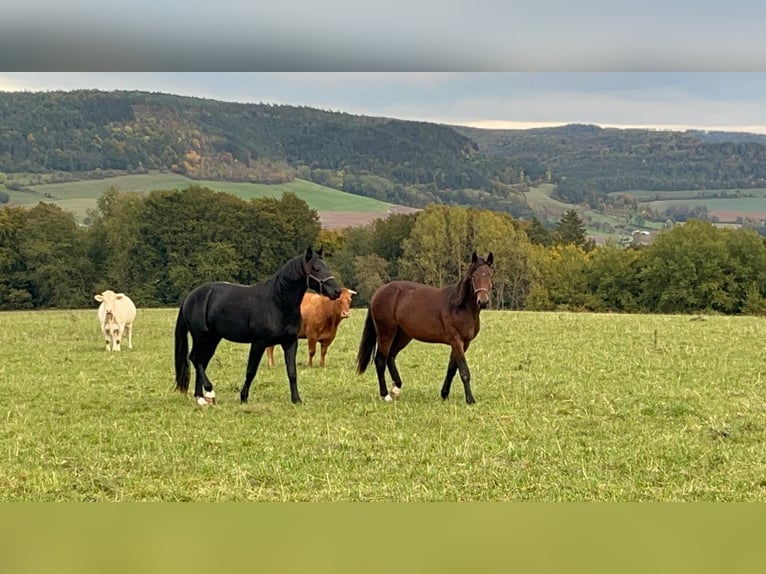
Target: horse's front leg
{"type": "Point", "coordinates": [465, 376]}
{"type": "Point", "coordinates": [253, 360]}
{"type": "Point", "coordinates": [457, 361]}
{"type": "Point", "coordinates": [451, 370]}
{"type": "Point", "coordinates": [291, 350]}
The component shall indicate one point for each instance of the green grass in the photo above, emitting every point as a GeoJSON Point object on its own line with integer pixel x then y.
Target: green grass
{"type": "Point", "coordinates": [79, 196]}
{"type": "Point", "coordinates": [570, 407]}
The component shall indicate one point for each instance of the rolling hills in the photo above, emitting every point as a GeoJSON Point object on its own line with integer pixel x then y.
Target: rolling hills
{"type": "Point", "coordinates": [166, 141]}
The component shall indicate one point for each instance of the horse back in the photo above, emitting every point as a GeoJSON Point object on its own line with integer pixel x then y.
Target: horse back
{"type": "Point", "coordinates": [240, 313]}
{"type": "Point", "coordinates": [421, 311]}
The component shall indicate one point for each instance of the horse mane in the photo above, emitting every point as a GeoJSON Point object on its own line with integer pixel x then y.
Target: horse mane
{"type": "Point", "coordinates": [463, 290]}
{"type": "Point", "coordinates": [287, 275]}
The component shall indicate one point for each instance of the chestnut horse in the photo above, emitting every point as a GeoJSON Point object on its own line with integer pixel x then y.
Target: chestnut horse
{"type": "Point", "coordinates": [403, 310]}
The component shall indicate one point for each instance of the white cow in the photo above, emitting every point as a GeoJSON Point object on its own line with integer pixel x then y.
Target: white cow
{"type": "Point", "coordinates": [116, 314]}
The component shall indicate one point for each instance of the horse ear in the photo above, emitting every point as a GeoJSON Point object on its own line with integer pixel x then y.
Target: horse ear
{"type": "Point", "coordinates": [474, 257]}
{"type": "Point", "coordinates": [490, 259]}
{"type": "Point", "coordinates": [309, 253]}
{"type": "Point", "coordinates": [320, 251]}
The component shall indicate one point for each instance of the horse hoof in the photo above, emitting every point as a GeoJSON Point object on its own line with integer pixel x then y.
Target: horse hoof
{"type": "Point", "coordinates": [387, 398]}
{"type": "Point", "coordinates": [201, 401]}
{"type": "Point", "coordinates": [395, 392]}
{"type": "Point", "coordinates": [209, 397]}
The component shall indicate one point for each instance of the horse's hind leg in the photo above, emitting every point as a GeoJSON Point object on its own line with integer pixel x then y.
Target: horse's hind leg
{"type": "Point", "coordinates": [400, 341]}
{"type": "Point", "coordinates": [380, 370]}
{"type": "Point", "coordinates": [203, 349]}
{"type": "Point", "coordinates": [253, 360]}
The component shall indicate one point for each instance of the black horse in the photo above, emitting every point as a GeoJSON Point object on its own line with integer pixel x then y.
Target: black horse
{"type": "Point", "coordinates": [263, 314]}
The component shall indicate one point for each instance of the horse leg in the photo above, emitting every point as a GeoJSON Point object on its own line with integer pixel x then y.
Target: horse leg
{"type": "Point", "coordinates": [253, 360]}
{"type": "Point", "coordinates": [291, 350]}
{"type": "Point", "coordinates": [380, 370]}
{"type": "Point", "coordinates": [312, 351]}
{"type": "Point", "coordinates": [386, 339]}
{"type": "Point", "coordinates": [203, 348]}
{"type": "Point", "coordinates": [465, 376]}
{"type": "Point", "coordinates": [270, 355]}
{"type": "Point", "coordinates": [458, 356]}
{"type": "Point", "coordinates": [400, 341]}
{"type": "Point", "coordinates": [451, 370]}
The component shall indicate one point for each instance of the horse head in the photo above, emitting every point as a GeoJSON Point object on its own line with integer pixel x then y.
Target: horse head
{"type": "Point", "coordinates": [318, 275]}
{"type": "Point", "coordinates": [481, 278]}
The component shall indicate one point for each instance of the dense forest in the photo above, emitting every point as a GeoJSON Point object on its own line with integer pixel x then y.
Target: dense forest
{"type": "Point", "coordinates": [157, 247]}
{"type": "Point", "coordinates": [587, 162]}
{"type": "Point", "coordinates": [405, 162]}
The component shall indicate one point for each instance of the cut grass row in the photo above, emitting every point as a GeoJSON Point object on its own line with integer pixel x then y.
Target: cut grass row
{"type": "Point", "coordinates": [570, 407]}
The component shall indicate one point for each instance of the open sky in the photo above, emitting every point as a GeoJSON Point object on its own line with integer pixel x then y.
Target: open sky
{"type": "Point", "coordinates": [734, 101]}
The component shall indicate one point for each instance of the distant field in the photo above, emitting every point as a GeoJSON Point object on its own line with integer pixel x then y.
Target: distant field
{"type": "Point", "coordinates": [726, 210]}
{"type": "Point", "coordinates": [571, 407]}
{"type": "Point", "coordinates": [744, 203]}
{"type": "Point", "coordinates": [643, 195]}
{"type": "Point", "coordinates": [79, 196]}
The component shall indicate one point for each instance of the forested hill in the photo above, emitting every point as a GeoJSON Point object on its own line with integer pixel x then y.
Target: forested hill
{"type": "Point", "coordinates": [411, 163]}
{"type": "Point", "coordinates": [588, 161]}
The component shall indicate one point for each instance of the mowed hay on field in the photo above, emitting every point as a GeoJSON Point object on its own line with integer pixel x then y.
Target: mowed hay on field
{"type": "Point", "coordinates": [570, 407]}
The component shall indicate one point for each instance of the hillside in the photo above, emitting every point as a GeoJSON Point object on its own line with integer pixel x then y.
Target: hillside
{"type": "Point", "coordinates": [394, 161]}
{"type": "Point", "coordinates": [587, 162]}
{"type": "Point", "coordinates": [335, 208]}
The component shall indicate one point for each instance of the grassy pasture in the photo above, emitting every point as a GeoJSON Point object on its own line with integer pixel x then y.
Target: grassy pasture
{"type": "Point", "coordinates": [570, 407]}
{"type": "Point", "coordinates": [79, 196]}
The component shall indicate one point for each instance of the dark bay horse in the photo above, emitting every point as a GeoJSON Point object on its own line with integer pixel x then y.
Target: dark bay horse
{"type": "Point", "coordinates": [403, 310]}
{"type": "Point", "coordinates": [262, 314]}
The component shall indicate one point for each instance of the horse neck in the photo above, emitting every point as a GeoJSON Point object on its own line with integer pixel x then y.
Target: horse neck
{"type": "Point", "coordinates": [464, 298]}
{"type": "Point", "coordinates": [290, 281]}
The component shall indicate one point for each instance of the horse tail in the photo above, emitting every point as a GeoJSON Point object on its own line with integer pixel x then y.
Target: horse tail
{"type": "Point", "coordinates": [366, 345]}
{"type": "Point", "coordinates": [182, 352]}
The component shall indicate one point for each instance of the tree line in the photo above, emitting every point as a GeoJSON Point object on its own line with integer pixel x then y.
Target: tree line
{"type": "Point", "coordinates": [157, 247]}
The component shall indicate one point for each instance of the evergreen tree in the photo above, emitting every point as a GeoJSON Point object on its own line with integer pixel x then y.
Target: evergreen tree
{"type": "Point", "coordinates": [539, 234]}
{"type": "Point", "coordinates": [571, 230]}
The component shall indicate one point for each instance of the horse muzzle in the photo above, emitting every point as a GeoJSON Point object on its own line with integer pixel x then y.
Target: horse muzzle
{"type": "Point", "coordinates": [482, 298]}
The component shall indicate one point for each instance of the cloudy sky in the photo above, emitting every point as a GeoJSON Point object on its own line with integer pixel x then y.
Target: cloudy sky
{"type": "Point", "coordinates": [663, 100]}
